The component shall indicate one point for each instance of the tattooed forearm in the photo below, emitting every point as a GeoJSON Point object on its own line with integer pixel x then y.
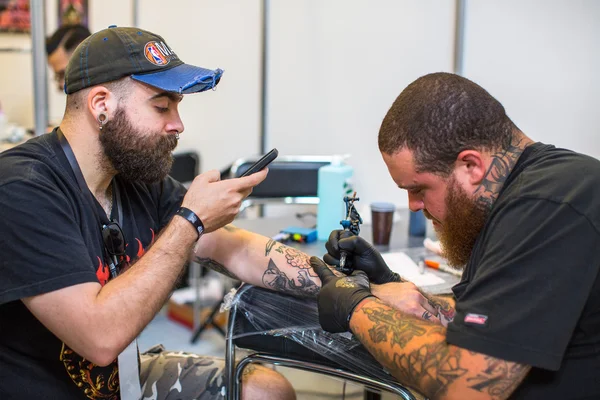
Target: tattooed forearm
{"type": "Point", "coordinates": [499, 379]}
{"type": "Point", "coordinates": [215, 266]}
{"type": "Point", "coordinates": [276, 279]}
{"type": "Point", "coordinates": [387, 321]}
{"type": "Point", "coordinates": [502, 164]}
{"type": "Point", "coordinates": [430, 366]}
{"type": "Point", "coordinates": [417, 354]}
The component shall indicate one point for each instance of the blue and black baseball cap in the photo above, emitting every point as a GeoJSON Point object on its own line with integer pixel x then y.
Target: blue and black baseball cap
{"type": "Point", "coordinates": [117, 52]}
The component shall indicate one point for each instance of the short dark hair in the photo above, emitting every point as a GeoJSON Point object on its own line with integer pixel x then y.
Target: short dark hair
{"type": "Point", "coordinates": [438, 116]}
{"type": "Point", "coordinates": [69, 36]}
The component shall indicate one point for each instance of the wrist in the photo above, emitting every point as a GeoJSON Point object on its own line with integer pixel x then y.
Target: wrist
{"type": "Point", "coordinates": [358, 307]}
{"type": "Point", "coordinates": [193, 220]}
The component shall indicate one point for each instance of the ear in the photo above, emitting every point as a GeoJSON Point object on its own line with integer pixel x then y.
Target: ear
{"type": "Point", "coordinates": [101, 100]}
{"type": "Point", "coordinates": [471, 167]}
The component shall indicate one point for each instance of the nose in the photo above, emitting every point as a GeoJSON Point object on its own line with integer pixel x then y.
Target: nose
{"type": "Point", "coordinates": [415, 203]}
{"type": "Point", "coordinates": [175, 125]}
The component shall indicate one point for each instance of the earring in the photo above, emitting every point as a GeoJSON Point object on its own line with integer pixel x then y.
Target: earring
{"type": "Point", "coordinates": [102, 119]}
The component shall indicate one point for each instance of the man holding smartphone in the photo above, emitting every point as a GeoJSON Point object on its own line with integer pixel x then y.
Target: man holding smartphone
{"type": "Point", "coordinates": [94, 234]}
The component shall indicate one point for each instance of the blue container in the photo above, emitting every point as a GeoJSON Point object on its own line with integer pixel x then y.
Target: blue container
{"type": "Point", "coordinates": [334, 183]}
{"type": "Point", "coordinates": [417, 223]}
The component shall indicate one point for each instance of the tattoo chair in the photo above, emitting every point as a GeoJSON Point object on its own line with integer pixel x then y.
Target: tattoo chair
{"type": "Point", "coordinates": [291, 180]}
{"type": "Point", "coordinates": [284, 330]}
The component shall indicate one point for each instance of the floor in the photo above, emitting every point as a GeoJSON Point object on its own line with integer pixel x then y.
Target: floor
{"type": "Point", "coordinates": [175, 336]}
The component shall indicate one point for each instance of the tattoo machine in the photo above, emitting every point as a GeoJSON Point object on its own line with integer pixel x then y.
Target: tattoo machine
{"type": "Point", "coordinates": [350, 224]}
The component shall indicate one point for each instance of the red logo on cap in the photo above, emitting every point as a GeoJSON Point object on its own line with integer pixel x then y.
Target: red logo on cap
{"type": "Point", "coordinates": [158, 53]}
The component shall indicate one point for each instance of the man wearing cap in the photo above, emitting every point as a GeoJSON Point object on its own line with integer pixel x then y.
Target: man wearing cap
{"type": "Point", "coordinates": [94, 235]}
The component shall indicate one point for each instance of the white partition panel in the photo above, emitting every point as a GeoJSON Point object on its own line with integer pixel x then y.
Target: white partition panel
{"type": "Point", "coordinates": [541, 59]}
{"type": "Point", "coordinates": [222, 125]}
{"type": "Point", "coordinates": [334, 69]}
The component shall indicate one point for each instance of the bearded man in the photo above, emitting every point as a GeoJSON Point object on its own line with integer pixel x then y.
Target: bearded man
{"type": "Point", "coordinates": [520, 217]}
{"type": "Point", "coordinates": [94, 235]}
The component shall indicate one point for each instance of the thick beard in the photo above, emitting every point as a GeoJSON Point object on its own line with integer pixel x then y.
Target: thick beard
{"type": "Point", "coordinates": [465, 219]}
{"type": "Point", "coordinates": [135, 155]}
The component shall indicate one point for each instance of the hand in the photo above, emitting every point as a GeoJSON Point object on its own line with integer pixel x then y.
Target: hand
{"type": "Point", "coordinates": [339, 296]}
{"type": "Point", "coordinates": [406, 297]}
{"type": "Point", "coordinates": [217, 202]}
{"type": "Point", "coordinates": [361, 255]}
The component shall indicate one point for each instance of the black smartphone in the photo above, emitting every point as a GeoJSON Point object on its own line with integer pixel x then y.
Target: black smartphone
{"type": "Point", "coordinates": [263, 162]}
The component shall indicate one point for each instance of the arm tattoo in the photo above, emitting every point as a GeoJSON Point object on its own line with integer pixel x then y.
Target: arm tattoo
{"type": "Point", "coordinates": [431, 367]}
{"type": "Point", "coordinates": [502, 164]}
{"type": "Point", "coordinates": [215, 266]}
{"type": "Point", "coordinates": [431, 364]}
{"type": "Point", "coordinates": [269, 247]}
{"type": "Point", "coordinates": [445, 312]}
{"type": "Point", "coordinates": [276, 279]}
{"type": "Point", "coordinates": [248, 370]}
{"type": "Point", "coordinates": [231, 228]}
{"type": "Point", "coordinates": [391, 321]}
{"type": "Point", "coordinates": [500, 378]}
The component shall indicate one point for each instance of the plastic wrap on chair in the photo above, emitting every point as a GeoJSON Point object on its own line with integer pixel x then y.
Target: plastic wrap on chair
{"type": "Point", "coordinates": [267, 321]}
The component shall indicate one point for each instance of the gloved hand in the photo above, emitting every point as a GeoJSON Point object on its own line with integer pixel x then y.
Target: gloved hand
{"type": "Point", "coordinates": [339, 296]}
{"type": "Point", "coordinates": [361, 255]}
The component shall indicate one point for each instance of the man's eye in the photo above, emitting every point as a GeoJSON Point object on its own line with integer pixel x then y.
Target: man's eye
{"type": "Point", "coordinates": [162, 109]}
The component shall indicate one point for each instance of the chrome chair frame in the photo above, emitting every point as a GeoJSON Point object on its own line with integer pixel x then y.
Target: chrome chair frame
{"type": "Point", "coordinates": [233, 372]}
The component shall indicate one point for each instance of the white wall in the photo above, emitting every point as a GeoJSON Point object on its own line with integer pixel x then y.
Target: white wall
{"type": "Point", "coordinates": [335, 67]}
{"type": "Point", "coordinates": [222, 125]}
{"type": "Point", "coordinates": [541, 59]}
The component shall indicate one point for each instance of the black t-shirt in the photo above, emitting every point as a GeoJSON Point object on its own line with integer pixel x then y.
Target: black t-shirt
{"type": "Point", "coordinates": [51, 239]}
{"type": "Point", "coordinates": [531, 290]}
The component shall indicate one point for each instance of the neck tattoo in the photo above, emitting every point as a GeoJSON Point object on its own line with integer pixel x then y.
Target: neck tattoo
{"type": "Point", "coordinates": [502, 164]}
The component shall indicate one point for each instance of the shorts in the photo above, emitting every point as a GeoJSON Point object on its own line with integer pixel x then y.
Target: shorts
{"type": "Point", "coordinates": [171, 375]}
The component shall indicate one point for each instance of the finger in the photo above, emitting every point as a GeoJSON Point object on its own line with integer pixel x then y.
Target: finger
{"type": "Point", "coordinates": [321, 269]}
{"type": "Point", "coordinates": [427, 316]}
{"type": "Point", "coordinates": [254, 179]}
{"type": "Point", "coordinates": [428, 306]}
{"type": "Point", "coordinates": [349, 244]}
{"type": "Point", "coordinates": [332, 243]}
{"type": "Point", "coordinates": [330, 260]}
{"type": "Point", "coordinates": [346, 234]}
{"type": "Point", "coordinates": [360, 274]}
{"type": "Point", "coordinates": [211, 176]}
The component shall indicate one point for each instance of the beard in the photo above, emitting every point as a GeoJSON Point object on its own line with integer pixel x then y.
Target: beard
{"type": "Point", "coordinates": [137, 156]}
{"type": "Point", "coordinates": [465, 219]}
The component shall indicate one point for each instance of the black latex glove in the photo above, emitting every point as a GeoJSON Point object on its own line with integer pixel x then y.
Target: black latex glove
{"type": "Point", "coordinates": [338, 296]}
{"type": "Point", "coordinates": [360, 255]}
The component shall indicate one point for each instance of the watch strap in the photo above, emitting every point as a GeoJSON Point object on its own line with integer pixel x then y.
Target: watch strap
{"type": "Point", "coordinates": [192, 218]}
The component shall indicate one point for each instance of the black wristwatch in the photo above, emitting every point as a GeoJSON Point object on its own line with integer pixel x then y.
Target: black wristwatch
{"type": "Point", "coordinates": [192, 218]}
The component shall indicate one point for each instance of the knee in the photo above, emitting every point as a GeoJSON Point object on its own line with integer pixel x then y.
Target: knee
{"type": "Point", "coordinates": [261, 383]}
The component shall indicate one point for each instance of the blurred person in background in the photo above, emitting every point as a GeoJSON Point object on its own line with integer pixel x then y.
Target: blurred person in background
{"type": "Point", "coordinates": [60, 47]}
